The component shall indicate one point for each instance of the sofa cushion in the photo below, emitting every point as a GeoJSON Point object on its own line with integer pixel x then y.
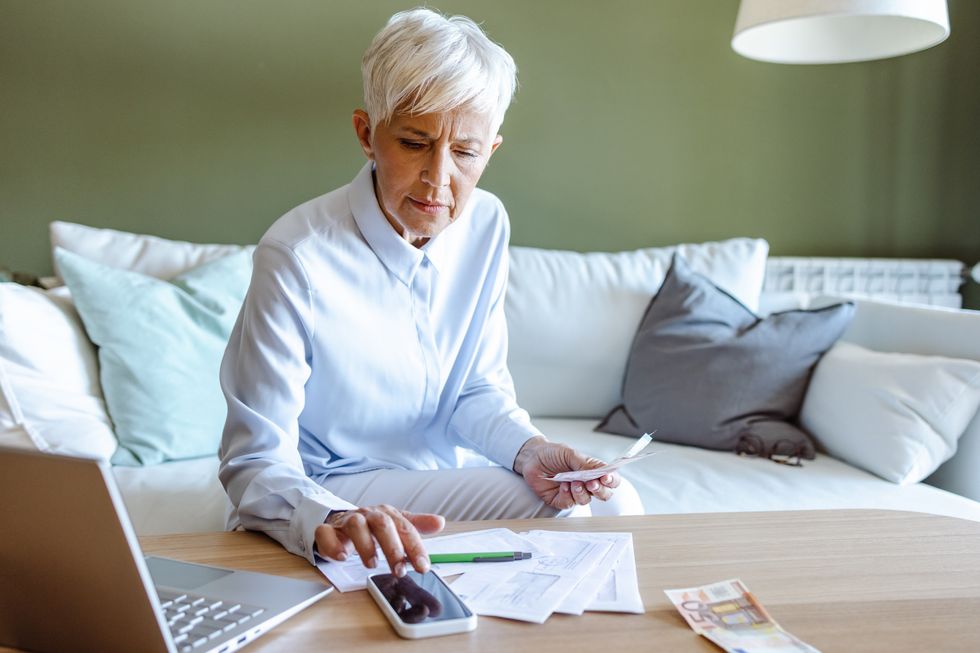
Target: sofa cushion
{"type": "Point", "coordinates": [705, 370]}
{"type": "Point", "coordinates": [49, 375]}
{"type": "Point", "coordinates": [150, 255]}
{"type": "Point", "coordinates": [160, 346]}
{"type": "Point", "coordinates": [896, 415]}
{"type": "Point", "coordinates": [571, 317]}
{"type": "Point", "coordinates": [180, 496]}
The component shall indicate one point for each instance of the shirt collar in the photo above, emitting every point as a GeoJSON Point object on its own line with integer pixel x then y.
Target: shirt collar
{"type": "Point", "coordinates": [398, 255]}
{"type": "Point", "coordinates": [401, 259]}
{"type": "Point", "coordinates": [435, 249]}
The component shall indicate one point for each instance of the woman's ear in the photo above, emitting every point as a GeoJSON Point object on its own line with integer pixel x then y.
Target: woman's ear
{"type": "Point", "coordinates": [362, 127]}
{"type": "Point", "coordinates": [496, 143]}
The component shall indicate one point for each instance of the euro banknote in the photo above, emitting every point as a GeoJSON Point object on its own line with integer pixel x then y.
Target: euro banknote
{"type": "Point", "coordinates": [729, 615]}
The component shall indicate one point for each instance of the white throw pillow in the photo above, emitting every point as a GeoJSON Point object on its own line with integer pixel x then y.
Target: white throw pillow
{"type": "Point", "coordinates": [149, 255]}
{"type": "Point", "coordinates": [49, 374]}
{"type": "Point", "coordinates": [929, 331]}
{"type": "Point", "coordinates": [895, 415]}
{"type": "Point", "coordinates": [571, 317]}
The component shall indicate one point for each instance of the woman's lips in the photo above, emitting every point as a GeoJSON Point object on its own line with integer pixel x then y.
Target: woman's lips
{"type": "Point", "coordinates": [425, 207]}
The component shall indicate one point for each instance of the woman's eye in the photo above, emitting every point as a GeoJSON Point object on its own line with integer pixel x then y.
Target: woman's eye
{"type": "Point", "coordinates": [412, 145]}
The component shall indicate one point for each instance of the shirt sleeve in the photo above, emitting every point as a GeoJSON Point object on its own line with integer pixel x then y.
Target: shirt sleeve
{"type": "Point", "coordinates": [263, 376]}
{"type": "Point", "coordinates": [486, 417]}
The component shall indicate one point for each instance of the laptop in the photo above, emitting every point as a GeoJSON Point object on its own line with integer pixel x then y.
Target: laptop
{"type": "Point", "coordinates": [73, 578]}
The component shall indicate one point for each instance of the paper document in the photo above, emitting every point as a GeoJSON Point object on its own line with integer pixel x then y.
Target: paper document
{"type": "Point", "coordinates": [351, 574]}
{"type": "Point", "coordinates": [727, 614]}
{"type": "Point", "coordinates": [631, 455]}
{"type": "Point", "coordinates": [581, 597]}
{"type": "Point", "coordinates": [534, 593]}
{"type": "Point", "coordinates": [620, 590]}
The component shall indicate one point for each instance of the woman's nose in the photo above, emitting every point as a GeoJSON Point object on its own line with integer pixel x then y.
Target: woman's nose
{"type": "Point", "coordinates": [437, 172]}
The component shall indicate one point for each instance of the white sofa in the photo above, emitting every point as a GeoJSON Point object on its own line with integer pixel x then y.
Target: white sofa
{"type": "Point", "coordinates": [572, 318]}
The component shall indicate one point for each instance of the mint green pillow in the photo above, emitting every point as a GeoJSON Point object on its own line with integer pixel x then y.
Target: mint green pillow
{"type": "Point", "coordinates": [160, 346]}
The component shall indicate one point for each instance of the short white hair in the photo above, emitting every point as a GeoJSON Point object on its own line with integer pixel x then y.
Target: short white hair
{"type": "Point", "coordinates": [423, 62]}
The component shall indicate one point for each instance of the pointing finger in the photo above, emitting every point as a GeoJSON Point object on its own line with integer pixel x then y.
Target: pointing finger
{"type": "Point", "coordinates": [410, 540]}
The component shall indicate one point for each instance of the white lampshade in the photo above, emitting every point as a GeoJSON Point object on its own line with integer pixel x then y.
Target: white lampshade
{"type": "Point", "coordinates": [837, 31]}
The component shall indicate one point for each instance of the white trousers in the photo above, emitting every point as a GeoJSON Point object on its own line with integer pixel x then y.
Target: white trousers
{"type": "Point", "coordinates": [470, 493]}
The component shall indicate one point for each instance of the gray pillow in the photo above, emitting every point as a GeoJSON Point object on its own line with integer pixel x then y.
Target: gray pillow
{"type": "Point", "coordinates": [704, 370]}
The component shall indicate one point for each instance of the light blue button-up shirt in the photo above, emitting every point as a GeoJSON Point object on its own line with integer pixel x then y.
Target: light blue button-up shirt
{"type": "Point", "coordinates": [356, 351]}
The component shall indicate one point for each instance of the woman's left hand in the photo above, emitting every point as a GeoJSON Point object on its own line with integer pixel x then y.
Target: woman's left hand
{"type": "Point", "coordinates": [539, 458]}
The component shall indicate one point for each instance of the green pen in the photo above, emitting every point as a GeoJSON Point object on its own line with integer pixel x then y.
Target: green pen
{"type": "Point", "coordinates": [480, 556]}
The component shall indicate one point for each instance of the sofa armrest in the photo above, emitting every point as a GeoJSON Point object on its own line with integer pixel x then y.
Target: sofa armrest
{"type": "Point", "coordinates": [929, 331]}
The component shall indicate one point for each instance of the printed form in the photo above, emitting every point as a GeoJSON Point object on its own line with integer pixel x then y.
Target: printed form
{"type": "Point", "coordinates": [585, 593]}
{"type": "Point", "coordinates": [532, 594]}
{"type": "Point", "coordinates": [621, 590]}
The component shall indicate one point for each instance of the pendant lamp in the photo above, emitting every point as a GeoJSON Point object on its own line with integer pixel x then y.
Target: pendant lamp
{"type": "Point", "coordinates": [837, 31]}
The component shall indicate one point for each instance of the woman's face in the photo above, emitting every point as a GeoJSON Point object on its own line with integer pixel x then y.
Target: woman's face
{"type": "Point", "coordinates": [426, 166]}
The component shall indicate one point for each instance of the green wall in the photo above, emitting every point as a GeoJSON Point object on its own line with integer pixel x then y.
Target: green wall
{"type": "Point", "coordinates": [635, 125]}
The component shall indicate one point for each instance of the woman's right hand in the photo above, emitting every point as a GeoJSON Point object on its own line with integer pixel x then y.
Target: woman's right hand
{"type": "Point", "coordinates": [397, 532]}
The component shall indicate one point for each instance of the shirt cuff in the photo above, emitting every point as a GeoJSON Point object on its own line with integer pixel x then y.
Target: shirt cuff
{"type": "Point", "coordinates": [310, 513]}
{"type": "Point", "coordinates": [505, 449]}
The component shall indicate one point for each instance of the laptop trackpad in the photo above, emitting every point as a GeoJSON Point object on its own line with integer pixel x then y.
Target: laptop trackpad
{"type": "Point", "coordinates": [182, 575]}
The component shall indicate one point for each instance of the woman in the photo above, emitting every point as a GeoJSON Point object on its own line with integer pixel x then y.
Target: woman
{"type": "Point", "coordinates": [366, 379]}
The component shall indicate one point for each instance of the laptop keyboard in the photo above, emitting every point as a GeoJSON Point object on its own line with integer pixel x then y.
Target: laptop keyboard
{"type": "Point", "coordinates": [196, 620]}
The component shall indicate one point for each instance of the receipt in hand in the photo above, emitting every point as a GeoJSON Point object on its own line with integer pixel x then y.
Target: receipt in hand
{"type": "Point", "coordinates": [630, 456]}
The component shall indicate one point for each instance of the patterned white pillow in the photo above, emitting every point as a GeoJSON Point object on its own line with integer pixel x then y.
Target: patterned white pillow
{"type": "Point", "coordinates": [49, 376]}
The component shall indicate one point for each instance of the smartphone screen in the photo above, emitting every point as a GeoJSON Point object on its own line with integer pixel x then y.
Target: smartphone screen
{"type": "Point", "coordinates": [420, 598]}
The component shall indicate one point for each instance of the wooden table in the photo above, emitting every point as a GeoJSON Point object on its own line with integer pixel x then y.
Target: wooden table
{"type": "Point", "coordinates": [841, 580]}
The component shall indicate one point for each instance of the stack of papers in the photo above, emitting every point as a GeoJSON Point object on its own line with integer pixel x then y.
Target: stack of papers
{"type": "Point", "coordinates": [582, 571]}
{"type": "Point", "coordinates": [569, 572]}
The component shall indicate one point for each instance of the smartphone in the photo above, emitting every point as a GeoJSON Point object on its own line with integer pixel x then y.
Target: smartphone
{"type": "Point", "coordinates": [420, 605]}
